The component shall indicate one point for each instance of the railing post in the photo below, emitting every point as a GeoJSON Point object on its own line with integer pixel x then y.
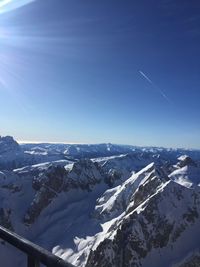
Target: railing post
{"type": "Point", "coordinates": [32, 262]}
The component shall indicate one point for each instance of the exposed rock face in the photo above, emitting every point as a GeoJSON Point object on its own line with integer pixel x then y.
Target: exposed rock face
{"type": "Point", "coordinates": [8, 144]}
{"type": "Point", "coordinates": [9, 150]}
{"type": "Point", "coordinates": [83, 175]}
{"type": "Point", "coordinates": [131, 193]}
{"type": "Point", "coordinates": [186, 161]}
{"type": "Point", "coordinates": [186, 172]}
{"type": "Point", "coordinates": [47, 186]}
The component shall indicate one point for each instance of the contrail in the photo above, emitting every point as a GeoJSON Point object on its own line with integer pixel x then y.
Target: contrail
{"type": "Point", "coordinates": [154, 86]}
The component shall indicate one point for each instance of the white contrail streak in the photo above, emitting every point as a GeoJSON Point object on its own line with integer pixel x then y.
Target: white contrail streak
{"type": "Point", "coordinates": [154, 86]}
{"type": "Point", "coordinates": [145, 76]}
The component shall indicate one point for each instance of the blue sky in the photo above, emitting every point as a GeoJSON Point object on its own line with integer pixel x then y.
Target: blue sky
{"type": "Point", "coordinates": [101, 71]}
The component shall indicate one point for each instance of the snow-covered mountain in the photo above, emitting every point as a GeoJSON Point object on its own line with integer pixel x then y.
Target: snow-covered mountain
{"type": "Point", "coordinates": [158, 222]}
{"type": "Point", "coordinates": [104, 150]}
{"type": "Point", "coordinates": [79, 150]}
{"type": "Point", "coordinates": [186, 172]}
{"type": "Point", "coordinates": [139, 208]}
{"type": "Point", "coordinates": [14, 155]}
{"type": "Point", "coordinates": [9, 151]}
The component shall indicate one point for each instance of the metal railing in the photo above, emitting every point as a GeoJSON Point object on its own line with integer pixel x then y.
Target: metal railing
{"type": "Point", "coordinates": [35, 254]}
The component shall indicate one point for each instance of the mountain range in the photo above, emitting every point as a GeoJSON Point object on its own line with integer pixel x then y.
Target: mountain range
{"type": "Point", "coordinates": [102, 205]}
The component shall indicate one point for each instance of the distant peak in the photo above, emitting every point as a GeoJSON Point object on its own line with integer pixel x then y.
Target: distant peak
{"type": "Point", "coordinates": [185, 160]}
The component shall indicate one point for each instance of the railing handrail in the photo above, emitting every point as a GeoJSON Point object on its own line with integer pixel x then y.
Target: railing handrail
{"type": "Point", "coordinates": [34, 251]}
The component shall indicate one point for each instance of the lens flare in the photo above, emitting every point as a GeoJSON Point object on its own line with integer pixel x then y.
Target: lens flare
{"type": "Point", "coordinates": [27, 50]}
{"type": "Point", "coordinates": [10, 57]}
{"type": "Point", "coordinates": [4, 2]}
{"type": "Point", "coordinates": [8, 5]}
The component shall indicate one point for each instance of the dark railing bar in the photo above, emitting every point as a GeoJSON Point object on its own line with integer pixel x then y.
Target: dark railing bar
{"type": "Point", "coordinates": [35, 253]}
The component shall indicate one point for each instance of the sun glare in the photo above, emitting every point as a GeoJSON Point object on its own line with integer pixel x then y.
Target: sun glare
{"type": "Point", "coordinates": [4, 2]}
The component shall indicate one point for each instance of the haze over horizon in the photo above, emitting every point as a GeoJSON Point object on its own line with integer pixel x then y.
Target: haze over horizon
{"type": "Point", "coordinates": [101, 72]}
{"type": "Point", "coordinates": [88, 143]}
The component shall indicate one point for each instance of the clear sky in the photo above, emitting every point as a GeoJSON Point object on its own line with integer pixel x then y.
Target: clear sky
{"type": "Point", "coordinates": [101, 71]}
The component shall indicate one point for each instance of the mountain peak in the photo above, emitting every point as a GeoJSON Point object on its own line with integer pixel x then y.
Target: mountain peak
{"type": "Point", "coordinates": [185, 160]}
{"type": "Point", "coordinates": [8, 144]}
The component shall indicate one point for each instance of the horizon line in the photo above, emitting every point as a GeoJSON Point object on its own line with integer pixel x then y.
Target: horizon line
{"type": "Point", "coordinates": [87, 143]}
{"type": "Point", "coordinates": [47, 142]}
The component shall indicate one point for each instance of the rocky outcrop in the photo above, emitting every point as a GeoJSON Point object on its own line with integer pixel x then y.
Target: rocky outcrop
{"type": "Point", "coordinates": [8, 145]}
{"type": "Point", "coordinates": [47, 186]}
{"type": "Point", "coordinates": [186, 161]}
{"type": "Point", "coordinates": [9, 151]}
{"type": "Point", "coordinates": [84, 175]}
